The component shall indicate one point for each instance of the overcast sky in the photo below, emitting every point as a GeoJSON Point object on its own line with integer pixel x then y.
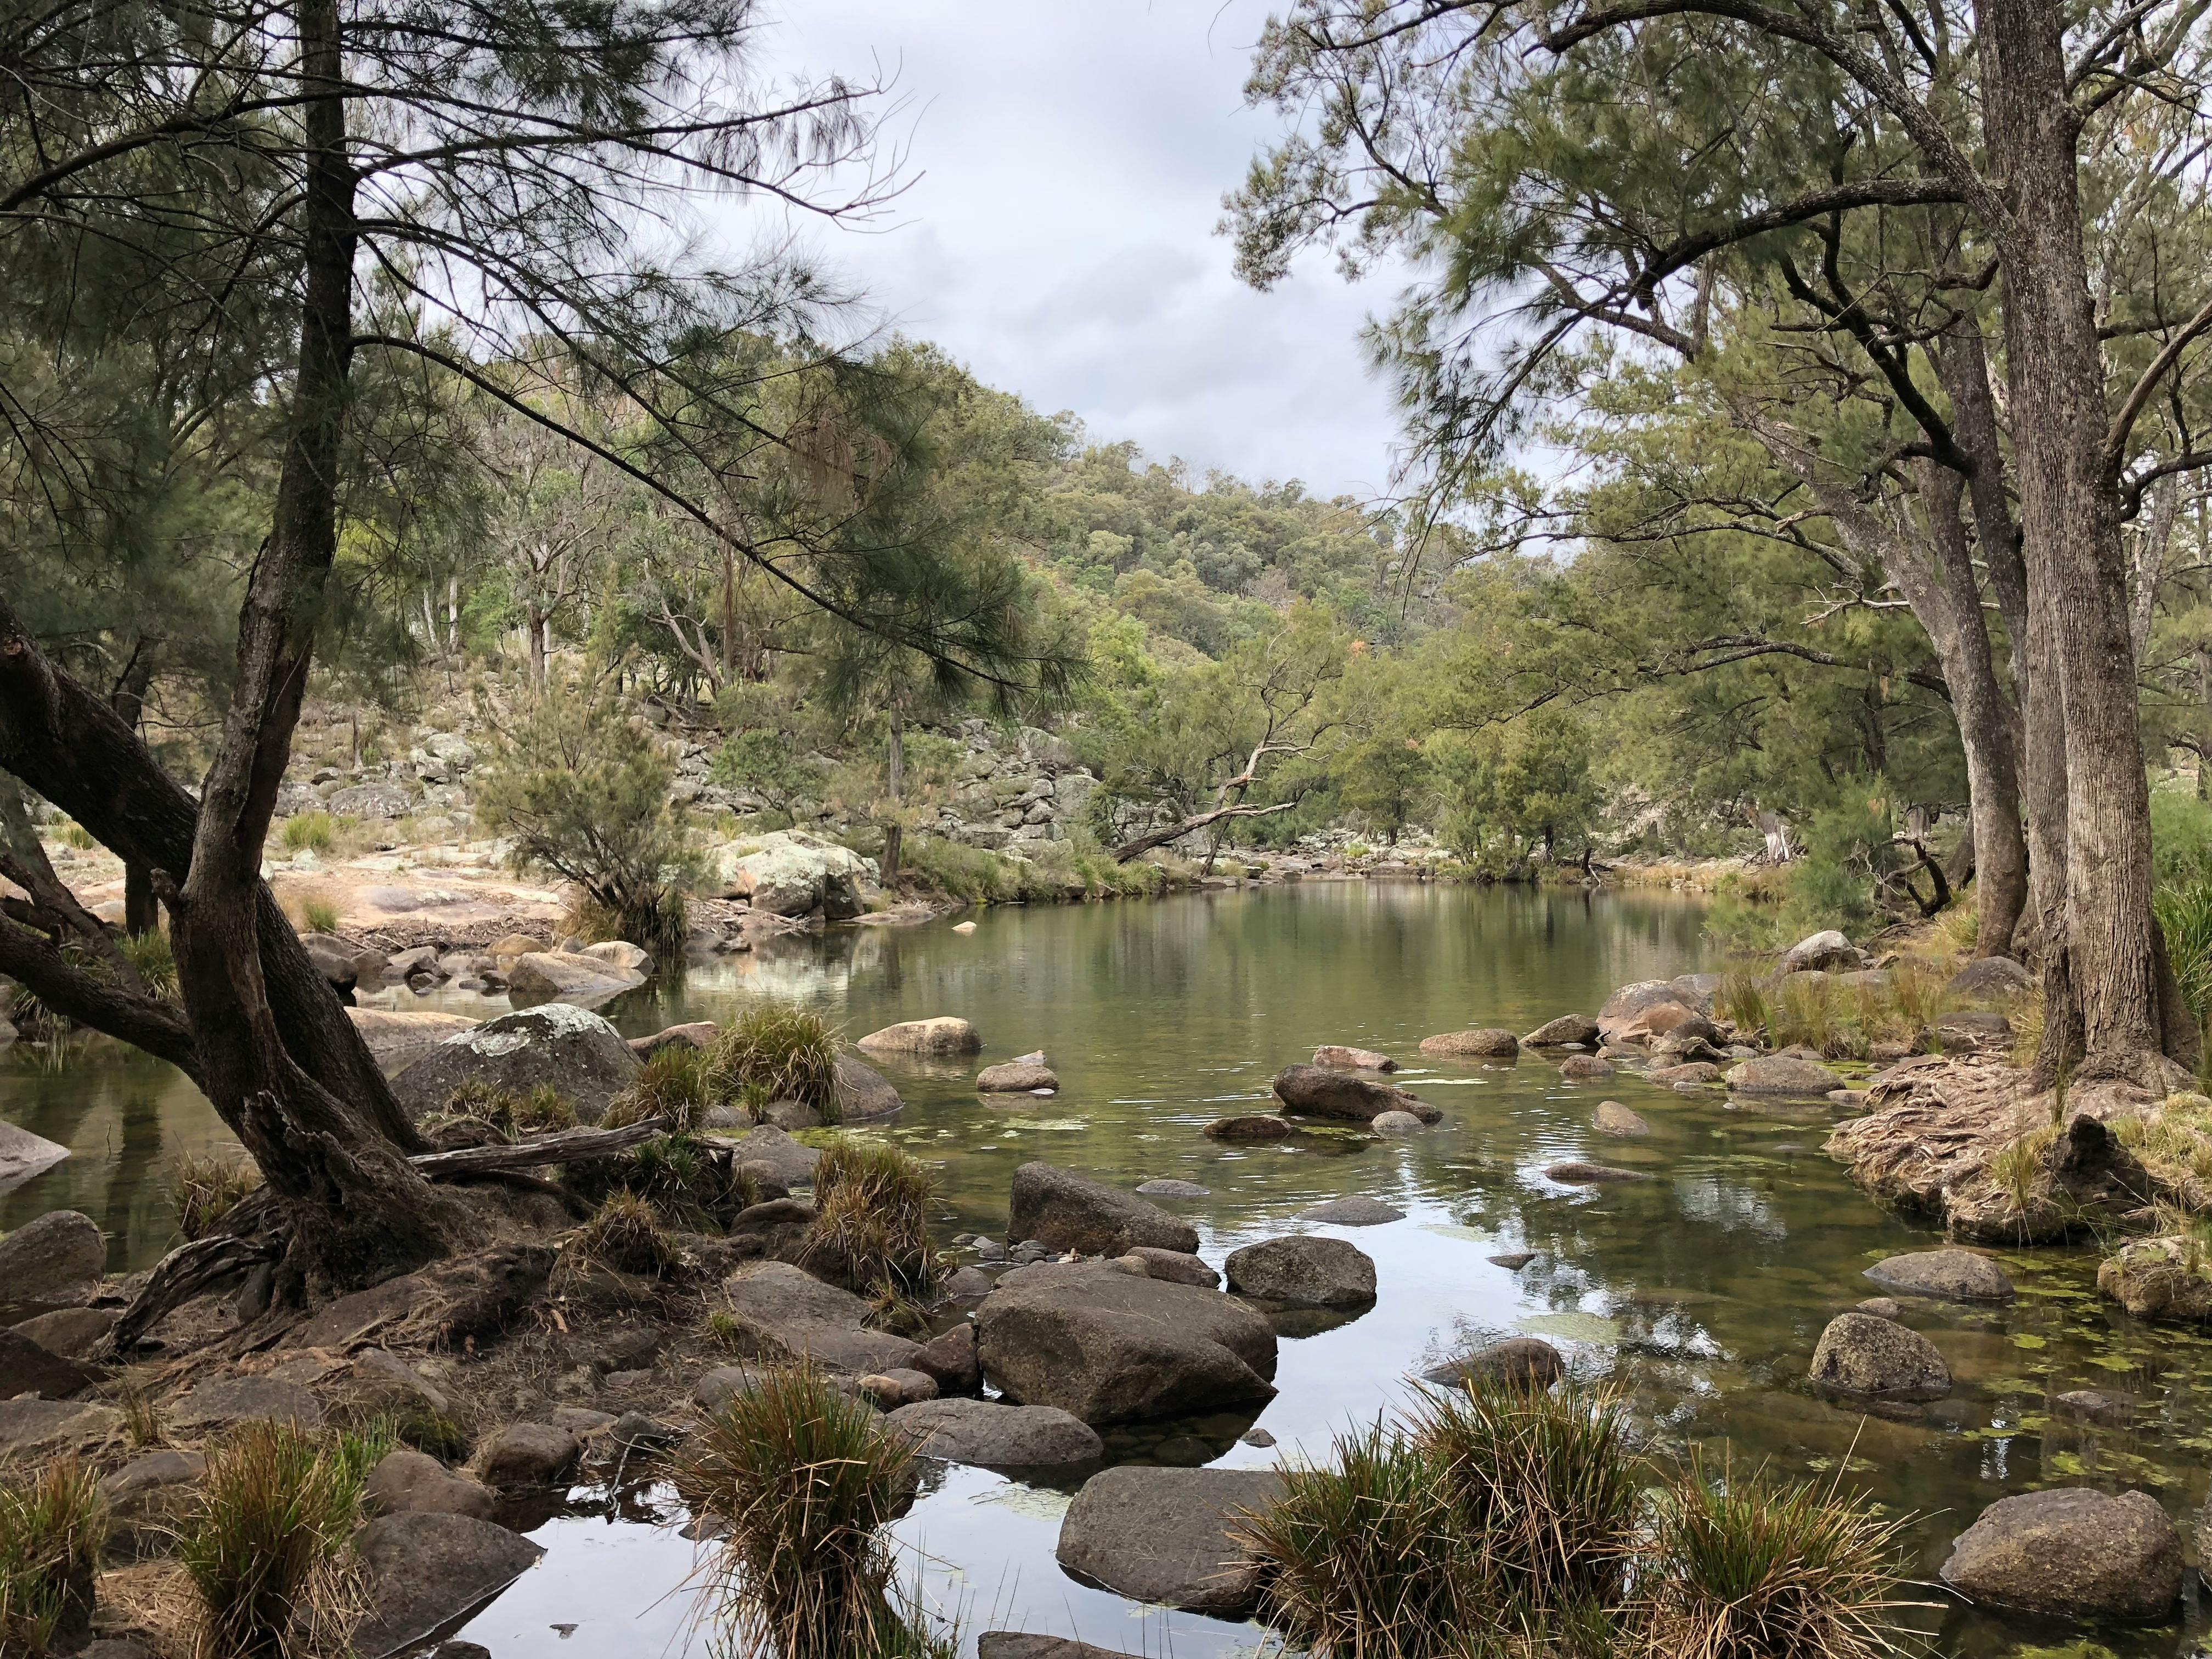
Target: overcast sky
{"type": "Point", "coordinates": [1067, 160]}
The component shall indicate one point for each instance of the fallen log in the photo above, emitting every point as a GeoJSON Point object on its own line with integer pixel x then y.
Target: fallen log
{"type": "Point", "coordinates": [566, 1146]}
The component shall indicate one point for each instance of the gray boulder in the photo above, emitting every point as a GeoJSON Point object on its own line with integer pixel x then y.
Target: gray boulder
{"type": "Point", "coordinates": [1167, 1536]}
{"type": "Point", "coordinates": [23, 1155]}
{"type": "Point", "coordinates": [785, 1315]}
{"type": "Point", "coordinates": [1016, 1077]}
{"type": "Point", "coordinates": [1013, 1644]}
{"type": "Point", "coordinates": [863, 1093]}
{"type": "Point", "coordinates": [791, 872]}
{"type": "Point", "coordinates": [1949, 1275]}
{"type": "Point", "coordinates": [792, 1162]}
{"type": "Point", "coordinates": [1168, 1187]}
{"type": "Point", "coordinates": [1304, 1272]}
{"type": "Point", "coordinates": [1628, 1003]}
{"type": "Point", "coordinates": [572, 1049]}
{"type": "Point", "coordinates": [1988, 977]}
{"type": "Point", "coordinates": [1395, 1123]}
{"type": "Point", "coordinates": [1250, 1126]}
{"type": "Point", "coordinates": [527, 1455]}
{"type": "Point", "coordinates": [72, 1333]}
{"type": "Point", "coordinates": [1318, 1092]}
{"type": "Point", "coordinates": [230, 1400]}
{"type": "Point", "coordinates": [1782, 1075]}
{"type": "Point", "coordinates": [570, 976]}
{"type": "Point", "coordinates": [1818, 952]}
{"type": "Point", "coordinates": [426, 1570]}
{"type": "Point", "coordinates": [949, 1359]}
{"type": "Point", "coordinates": [1353, 1213]}
{"type": "Point", "coordinates": [1974, 1031]}
{"type": "Point", "coordinates": [2072, 1552]}
{"type": "Point", "coordinates": [944, 1035]}
{"type": "Point", "coordinates": [1567, 1031]}
{"type": "Point", "coordinates": [1612, 1118]}
{"type": "Point", "coordinates": [1584, 1068]}
{"type": "Point", "coordinates": [32, 1428]}
{"type": "Point", "coordinates": [1177, 1266]}
{"type": "Point", "coordinates": [58, 1258]}
{"type": "Point", "coordinates": [1862, 1358]}
{"type": "Point", "coordinates": [1109, 1346]}
{"type": "Point", "coordinates": [985, 1432]}
{"type": "Point", "coordinates": [1069, 1212]}
{"type": "Point", "coordinates": [27, 1367]}
{"type": "Point", "coordinates": [1339, 1057]}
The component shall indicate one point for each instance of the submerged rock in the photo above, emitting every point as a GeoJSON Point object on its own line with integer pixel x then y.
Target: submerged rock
{"type": "Point", "coordinates": [1169, 1536]}
{"type": "Point", "coordinates": [1304, 1272]}
{"type": "Point", "coordinates": [1250, 1126]}
{"type": "Point", "coordinates": [1070, 1212]}
{"type": "Point", "coordinates": [1949, 1275]}
{"type": "Point", "coordinates": [1359, 1212]}
{"type": "Point", "coordinates": [1590, 1174]}
{"type": "Point", "coordinates": [1612, 1118]}
{"type": "Point", "coordinates": [2097, 1405]}
{"type": "Point", "coordinates": [1584, 1068]}
{"type": "Point", "coordinates": [1395, 1123]}
{"type": "Point", "coordinates": [1168, 1187]}
{"type": "Point", "coordinates": [1864, 1357]}
{"type": "Point", "coordinates": [1526, 1361]}
{"type": "Point", "coordinates": [1107, 1346]}
{"type": "Point", "coordinates": [2073, 1552]}
{"type": "Point", "coordinates": [1318, 1092]}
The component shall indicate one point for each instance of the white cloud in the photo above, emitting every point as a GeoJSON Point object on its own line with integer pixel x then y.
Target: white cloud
{"type": "Point", "coordinates": [1066, 161]}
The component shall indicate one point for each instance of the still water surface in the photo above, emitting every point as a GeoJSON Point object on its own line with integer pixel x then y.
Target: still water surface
{"type": "Point", "coordinates": [1702, 1291]}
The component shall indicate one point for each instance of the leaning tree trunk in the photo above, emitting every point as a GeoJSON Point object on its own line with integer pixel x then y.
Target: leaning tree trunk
{"type": "Point", "coordinates": [2108, 964]}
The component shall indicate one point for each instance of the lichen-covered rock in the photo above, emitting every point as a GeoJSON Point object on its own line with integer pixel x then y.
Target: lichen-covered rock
{"type": "Point", "coordinates": [2073, 1552]}
{"type": "Point", "coordinates": [791, 872]}
{"type": "Point", "coordinates": [569, 1050]}
{"type": "Point", "coordinates": [1864, 1357]}
{"type": "Point", "coordinates": [1782, 1075]}
{"type": "Point", "coordinates": [1488, 1043]}
{"type": "Point", "coordinates": [945, 1034]}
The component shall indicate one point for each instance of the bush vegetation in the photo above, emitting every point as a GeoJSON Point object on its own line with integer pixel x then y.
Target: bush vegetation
{"type": "Point", "coordinates": [319, 915]}
{"type": "Point", "coordinates": [204, 1190]}
{"type": "Point", "coordinates": [268, 1553]}
{"type": "Point", "coordinates": [53, 1527]}
{"type": "Point", "coordinates": [805, 1479]}
{"type": "Point", "coordinates": [543, 1110]}
{"type": "Point", "coordinates": [870, 1227]}
{"type": "Point", "coordinates": [774, 1051]}
{"type": "Point", "coordinates": [673, 1084]}
{"type": "Point", "coordinates": [309, 832]}
{"type": "Point", "coordinates": [1506, 1521]}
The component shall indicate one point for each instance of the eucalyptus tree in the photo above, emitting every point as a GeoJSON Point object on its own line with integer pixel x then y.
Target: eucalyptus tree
{"type": "Point", "coordinates": [1570, 164]}
{"type": "Point", "coordinates": [488, 196]}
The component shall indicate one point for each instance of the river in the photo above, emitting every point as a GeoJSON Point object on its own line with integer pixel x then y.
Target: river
{"type": "Point", "coordinates": [1702, 1292]}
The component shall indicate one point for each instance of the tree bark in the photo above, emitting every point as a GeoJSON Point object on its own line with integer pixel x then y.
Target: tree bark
{"type": "Point", "coordinates": [2105, 963]}
{"type": "Point", "coordinates": [894, 786]}
{"type": "Point", "coordinates": [141, 914]}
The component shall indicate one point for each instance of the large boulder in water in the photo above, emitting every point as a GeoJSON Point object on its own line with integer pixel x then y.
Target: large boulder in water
{"type": "Point", "coordinates": [23, 1155]}
{"type": "Point", "coordinates": [1860, 1357]}
{"type": "Point", "coordinates": [1070, 1211]}
{"type": "Point", "coordinates": [1169, 1536]}
{"type": "Point", "coordinates": [1623, 1007]}
{"type": "Point", "coordinates": [995, 1436]}
{"type": "Point", "coordinates": [426, 1570]}
{"type": "Point", "coordinates": [1567, 1031]}
{"type": "Point", "coordinates": [1783, 1074]}
{"type": "Point", "coordinates": [1947, 1275]}
{"type": "Point", "coordinates": [1304, 1272]}
{"type": "Point", "coordinates": [570, 976]}
{"type": "Point", "coordinates": [863, 1093]}
{"type": "Point", "coordinates": [793, 873]}
{"type": "Point", "coordinates": [570, 1049]}
{"type": "Point", "coordinates": [1109, 1346]}
{"type": "Point", "coordinates": [2072, 1552]}
{"type": "Point", "coordinates": [398, 1039]}
{"type": "Point", "coordinates": [1490, 1043]}
{"type": "Point", "coordinates": [1318, 1092]}
{"type": "Point", "coordinates": [946, 1034]}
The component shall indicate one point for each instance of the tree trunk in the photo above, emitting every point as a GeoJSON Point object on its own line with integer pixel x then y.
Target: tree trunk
{"type": "Point", "coordinates": [142, 912]}
{"type": "Point", "coordinates": [359, 1211]}
{"type": "Point", "coordinates": [2106, 962]}
{"type": "Point", "coordinates": [895, 788]}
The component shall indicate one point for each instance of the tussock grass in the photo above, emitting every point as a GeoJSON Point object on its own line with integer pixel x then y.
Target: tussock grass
{"type": "Point", "coordinates": [270, 1552]}
{"type": "Point", "coordinates": [806, 1479]}
{"type": "Point", "coordinates": [870, 1224]}
{"type": "Point", "coordinates": [52, 1528]}
{"type": "Point", "coordinates": [673, 1085]}
{"type": "Point", "coordinates": [309, 832]}
{"type": "Point", "coordinates": [1846, 1021]}
{"type": "Point", "coordinates": [2019, 1167]}
{"type": "Point", "coordinates": [204, 1190]}
{"type": "Point", "coordinates": [319, 915]}
{"type": "Point", "coordinates": [2183, 909]}
{"type": "Point", "coordinates": [155, 963]}
{"type": "Point", "coordinates": [1742, 1001]}
{"type": "Point", "coordinates": [2175, 1146]}
{"type": "Point", "coordinates": [543, 1111]}
{"type": "Point", "coordinates": [1749, 1569]}
{"type": "Point", "coordinates": [1505, 1524]}
{"type": "Point", "coordinates": [626, 1234]}
{"type": "Point", "coordinates": [783, 1052]}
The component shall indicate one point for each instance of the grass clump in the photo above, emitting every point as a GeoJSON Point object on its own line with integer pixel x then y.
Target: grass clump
{"type": "Point", "coordinates": [2018, 1168]}
{"type": "Point", "coordinates": [309, 832]}
{"type": "Point", "coordinates": [155, 964]}
{"type": "Point", "coordinates": [778, 1051]}
{"type": "Point", "coordinates": [1510, 1523]}
{"type": "Point", "coordinates": [871, 1226]}
{"type": "Point", "coordinates": [204, 1190]}
{"type": "Point", "coordinates": [270, 1552]}
{"type": "Point", "coordinates": [673, 1084]}
{"type": "Point", "coordinates": [319, 915]}
{"type": "Point", "coordinates": [52, 1528]}
{"type": "Point", "coordinates": [1745, 1570]}
{"type": "Point", "coordinates": [806, 1479]}
{"type": "Point", "coordinates": [627, 1234]}
{"type": "Point", "coordinates": [542, 1111]}
{"type": "Point", "coordinates": [1742, 1001]}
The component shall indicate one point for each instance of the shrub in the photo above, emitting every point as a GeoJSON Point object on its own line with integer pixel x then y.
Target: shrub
{"type": "Point", "coordinates": [269, 1551]}
{"type": "Point", "coordinates": [871, 1226]}
{"type": "Point", "coordinates": [309, 832]}
{"type": "Point", "coordinates": [52, 1531]}
{"type": "Point", "coordinates": [320, 915]}
{"type": "Point", "coordinates": [625, 1234]}
{"type": "Point", "coordinates": [672, 1085]}
{"type": "Point", "coordinates": [585, 796]}
{"type": "Point", "coordinates": [206, 1189]}
{"type": "Point", "coordinates": [778, 1053]}
{"type": "Point", "coordinates": [155, 963]}
{"type": "Point", "coordinates": [805, 1479]}
{"type": "Point", "coordinates": [1745, 1570]}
